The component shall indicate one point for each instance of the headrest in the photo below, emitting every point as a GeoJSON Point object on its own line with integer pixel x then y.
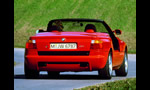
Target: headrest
{"type": "Point", "coordinates": [90, 30]}
{"type": "Point", "coordinates": [90, 26]}
{"type": "Point", "coordinates": [54, 31]}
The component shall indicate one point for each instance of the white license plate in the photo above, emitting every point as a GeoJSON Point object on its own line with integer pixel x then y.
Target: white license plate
{"type": "Point", "coordinates": [63, 46]}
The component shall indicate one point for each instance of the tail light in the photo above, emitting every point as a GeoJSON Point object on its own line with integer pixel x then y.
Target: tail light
{"type": "Point", "coordinates": [31, 44]}
{"type": "Point", "coordinates": [96, 44]}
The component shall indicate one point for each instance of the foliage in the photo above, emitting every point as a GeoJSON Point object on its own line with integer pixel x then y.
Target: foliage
{"type": "Point", "coordinates": [127, 84]}
{"type": "Point", "coordinates": [30, 15]}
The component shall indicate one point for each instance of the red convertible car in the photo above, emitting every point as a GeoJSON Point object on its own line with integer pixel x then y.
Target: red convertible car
{"type": "Point", "coordinates": [76, 45]}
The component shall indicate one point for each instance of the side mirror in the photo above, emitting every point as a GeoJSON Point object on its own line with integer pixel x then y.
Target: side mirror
{"type": "Point", "coordinates": [40, 30]}
{"type": "Point", "coordinates": [117, 31]}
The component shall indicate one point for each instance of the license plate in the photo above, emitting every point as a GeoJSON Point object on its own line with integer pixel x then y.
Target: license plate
{"type": "Point", "coordinates": [63, 46]}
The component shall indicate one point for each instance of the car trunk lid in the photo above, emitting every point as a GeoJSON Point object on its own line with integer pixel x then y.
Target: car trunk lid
{"type": "Point", "coordinates": [81, 40]}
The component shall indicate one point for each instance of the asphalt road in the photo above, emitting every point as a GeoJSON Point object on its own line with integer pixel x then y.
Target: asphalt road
{"type": "Point", "coordinates": [66, 81]}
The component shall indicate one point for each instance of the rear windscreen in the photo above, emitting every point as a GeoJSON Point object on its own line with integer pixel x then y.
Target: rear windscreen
{"type": "Point", "coordinates": [78, 26]}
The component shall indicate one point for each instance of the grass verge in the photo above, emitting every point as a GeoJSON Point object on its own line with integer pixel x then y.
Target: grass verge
{"type": "Point", "coordinates": [127, 84]}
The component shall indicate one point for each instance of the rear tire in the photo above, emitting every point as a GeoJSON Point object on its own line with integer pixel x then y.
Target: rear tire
{"type": "Point", "coordinates": [30, 74]}
{"type": "Point", "coordinates": [123, 70]}
{"type": "Point", "coordinates": [106, 72]}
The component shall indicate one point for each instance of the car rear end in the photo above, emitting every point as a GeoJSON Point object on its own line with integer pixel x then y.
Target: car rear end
{"type": "Point", "coordinates": [66, 52]}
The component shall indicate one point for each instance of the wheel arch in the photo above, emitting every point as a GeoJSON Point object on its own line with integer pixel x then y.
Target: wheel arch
{"type": "Point", "coordinates": [111, 51]}
{"type": "Point", "coordinates": [126, 49]}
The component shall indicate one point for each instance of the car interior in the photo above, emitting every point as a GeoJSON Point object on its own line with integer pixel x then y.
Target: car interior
{"type": "Point", "coordinates": [90, 28]}
{"type": "Point", "coordinates": [53, 29]}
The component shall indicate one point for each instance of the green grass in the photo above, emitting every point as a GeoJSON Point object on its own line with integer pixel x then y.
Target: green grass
{"type": "Point", "coordinates": [127, 84]}
{"type": "Point", "coordinates": [30, 15]}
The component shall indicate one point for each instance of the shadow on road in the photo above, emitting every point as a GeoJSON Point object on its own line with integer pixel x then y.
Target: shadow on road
{"type": "Point", "coordinates": [64, 77]}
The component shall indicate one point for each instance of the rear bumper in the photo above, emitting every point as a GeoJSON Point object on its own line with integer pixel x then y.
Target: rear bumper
{"type": "Point", "coordinates": [66, 63]}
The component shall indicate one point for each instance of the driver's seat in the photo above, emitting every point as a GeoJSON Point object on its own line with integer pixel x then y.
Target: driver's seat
{"type": "Point", "coordinates": [90, 28]}
{"type": "Point", "coordinates": [53, 29]}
